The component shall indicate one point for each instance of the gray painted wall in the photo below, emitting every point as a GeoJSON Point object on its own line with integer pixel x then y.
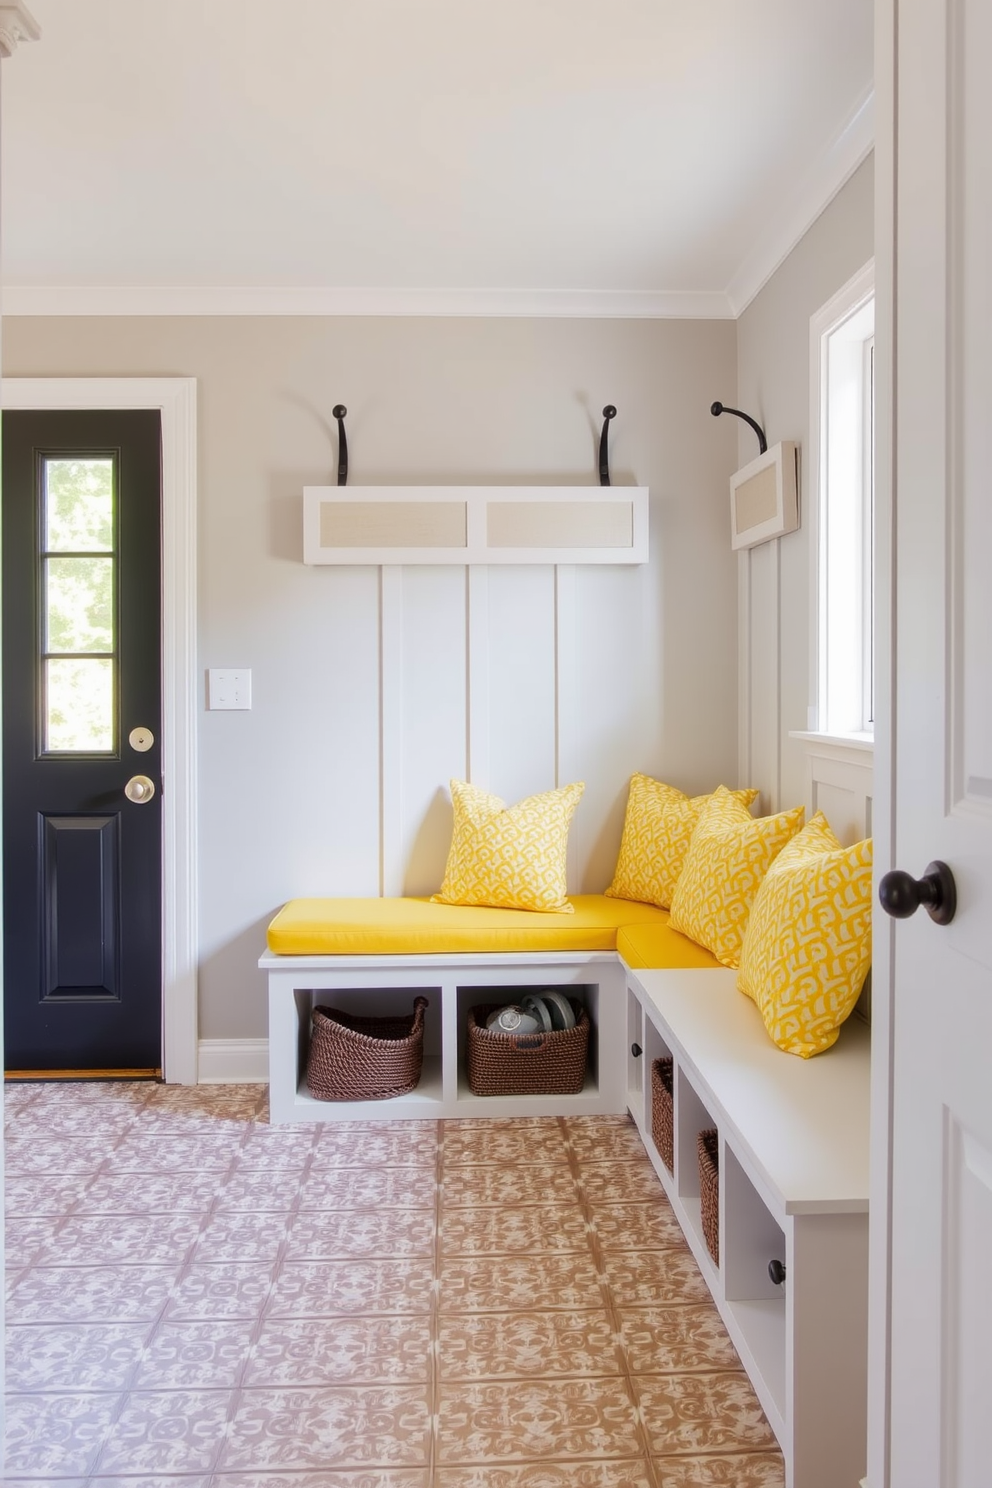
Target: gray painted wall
{"type": "Point", "coordinates": [773, 386]}
{"type": "Point", "coordinates": [473, 401]}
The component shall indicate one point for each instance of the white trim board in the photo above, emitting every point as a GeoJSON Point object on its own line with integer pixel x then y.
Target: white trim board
{"type": "Point", "coordinates": [175, 399]}
{"type": "Point", "coordinates": [226, 299]}
{"type": "Point", "coordinates": [234, 1061]}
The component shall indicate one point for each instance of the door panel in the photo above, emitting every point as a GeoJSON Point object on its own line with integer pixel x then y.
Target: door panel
{"type": "Point", "coordinates": [941, 986]}
{"type": "Point", "coordinates": [81, 664]}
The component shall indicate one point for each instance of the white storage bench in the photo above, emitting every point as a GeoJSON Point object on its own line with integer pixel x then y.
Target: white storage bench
{"type": "Point", "coordinates": [793, 1162]}
{"type": "Point", "coordinates": [452, 984]}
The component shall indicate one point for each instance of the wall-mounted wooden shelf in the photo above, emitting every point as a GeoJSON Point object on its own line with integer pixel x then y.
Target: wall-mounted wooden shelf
{"type": "Point", "coordinates": [475, 524]}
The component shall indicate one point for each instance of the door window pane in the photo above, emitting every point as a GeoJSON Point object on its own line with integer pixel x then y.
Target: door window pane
{"type": "Point", "coordinates": [80, 604]}
{"type": "Point", "coordinates": [79, 704]}
{"type": "Point", "coordinates": [79, 505]}
{"type": "Point", "coordinates": [78, 588]}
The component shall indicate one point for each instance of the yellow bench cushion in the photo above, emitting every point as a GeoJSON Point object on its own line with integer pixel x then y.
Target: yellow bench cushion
{"type": "Point", "coordinates": [416, 927]}
{"type": "Point", "coordinates": [659, 946]}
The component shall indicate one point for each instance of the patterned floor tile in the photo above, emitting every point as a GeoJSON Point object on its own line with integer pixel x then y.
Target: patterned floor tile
{"type": "Point", "coordinates": [516, 1420]}
{"type": "Point", "coordinates": [507, 1282]}
{"type": "Point", "coordinates": [730, 1470]}
{"type": "Point", "coordinates": [255, 1189]}
{"type": "Point", "coordinates": [149, 1193]}
{"type": "Point", "coordinates": [314, 1235]}
{"type": "Point", "coordinates": [104, 1294]}
{"type": "Point", "coordinates": [173, 1154]}
{"type": "Point", "coordinates": [170, 1431]}
{"type": "Point", "coordinates": [35, 1155]}
{"type": "Point", "coordinates": [640, 1278]}
{"type": "Point", "coordinates": [271, 1147]}
{"type": "Point", "coordinates": [202, 1356]}
{"type": "Point", "coordinates": [386, 1425]}
{"type": "Point", "coordinates": [664, 1339]}
{"type": "Point", "coordinates": [632, 1474]}
{"type": "Point", "coordinates": [221, 1289]}
{"type": "Point", "coordinates": [611, 1182]}
{"type": "Point", "coordinates": [598, 1142]}
{"type": "Point", "coordinates": [144, 1481]}
{"type": "Point", "coordinates": [500, 1144]}
{"type": "Point", "coordinates": [389, 1477]}
{"type": "Point", "coordinates": [372, 1188]}
{"type": "Point", "coordinates": [527, 1345]}
{"type": "Point", "coordinates": [27, 1237]}
{"type": "Point", "coordinates": [58, 1434]}
{"type": "Point", "coordinates": [52, 1194]}
{"type": "Point", "coordinates": [702, 1413]}
{"type": "Point", "coordinates": [73, 1356]}
{"type": "Point", "coordinates": [103, 1122]}
{"type": "Point", "coordinates": [519, 1183]}
{"type": "Point", "coordinates": [321, 1351]}
{"type": "Point", "coordinates": [533, 1229]}
{"type": "Point", "coordinates": [241, 1236]}
{"type": "Point", "coordinates": [327, 1288]}
{"type": "Point", "coordinates": [383, 1148]}
{"type": "Point", "coordinates": [95, 1240]}
{"type": "Point", "coordinates": [647, 1225]}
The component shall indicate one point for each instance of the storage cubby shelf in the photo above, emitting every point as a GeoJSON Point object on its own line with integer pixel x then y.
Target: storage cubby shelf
{"type": "Point", "coordinates": [452, 984]}
{"type": "Point", "coordinates": [793, 1161]}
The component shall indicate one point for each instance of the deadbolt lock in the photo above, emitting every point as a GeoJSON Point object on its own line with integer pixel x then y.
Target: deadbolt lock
{"type": "Point", "coordinates": [141, 739]}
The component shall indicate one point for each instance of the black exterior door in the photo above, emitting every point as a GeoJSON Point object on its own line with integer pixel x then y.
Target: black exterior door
{"type": "Point", "coordinates": [81, 719]}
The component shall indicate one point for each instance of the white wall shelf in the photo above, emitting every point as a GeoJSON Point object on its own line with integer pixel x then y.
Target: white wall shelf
{"type": "Point", "coordinates": [475, 524]}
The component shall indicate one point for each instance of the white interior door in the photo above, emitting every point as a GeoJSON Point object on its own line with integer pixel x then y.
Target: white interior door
{"type": "Point", "coordinates": [939, 1018]}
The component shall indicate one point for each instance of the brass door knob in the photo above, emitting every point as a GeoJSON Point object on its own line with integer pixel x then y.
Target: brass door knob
{"type": "Point", "coordinates": [139, 789]}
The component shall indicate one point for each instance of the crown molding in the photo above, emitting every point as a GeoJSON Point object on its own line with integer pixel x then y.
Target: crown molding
{"type": "Point", "coordinates": [16, 24]}
{"type": "Point", "coordinates": [820, 184]}
{"type": "Point", "coordinates": [136, 300]}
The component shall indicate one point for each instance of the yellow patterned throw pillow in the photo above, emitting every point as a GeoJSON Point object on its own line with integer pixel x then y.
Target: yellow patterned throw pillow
{"type": "Point", "coordinates": [729, 855]}
{"type": "Point", "coordinates": [807, 947]}
{"type": "Point", "coordinates": [509, 857]}
{"type": "Point", "coordinates": [657, 828]}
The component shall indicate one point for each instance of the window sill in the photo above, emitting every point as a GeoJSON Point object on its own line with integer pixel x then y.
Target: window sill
{"type": "Point", "coordinates": [844, 741]}
{"type": "Point", "coordinates": [856, 749]}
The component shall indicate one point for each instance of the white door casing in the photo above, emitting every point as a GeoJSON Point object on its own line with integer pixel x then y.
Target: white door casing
{"type": "Point", "coordinates": [932, 1117]}
{"type": "Point", "coordinates": [175, 398]}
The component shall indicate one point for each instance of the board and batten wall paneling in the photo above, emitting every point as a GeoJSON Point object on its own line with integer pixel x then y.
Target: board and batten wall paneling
{"type": "Point", "coordinates": [372, 686]}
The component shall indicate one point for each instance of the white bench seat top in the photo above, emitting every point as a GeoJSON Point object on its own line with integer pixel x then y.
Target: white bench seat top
{"type": "Point", "coordinates": [803, 1122]}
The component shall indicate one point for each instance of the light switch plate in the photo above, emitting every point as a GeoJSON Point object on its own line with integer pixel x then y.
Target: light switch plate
{"type": "Point", "coordinates": [228, 687]}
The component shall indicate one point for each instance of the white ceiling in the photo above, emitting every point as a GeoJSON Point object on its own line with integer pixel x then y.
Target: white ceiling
{"type": "Point", "coordinates": [578, 156]}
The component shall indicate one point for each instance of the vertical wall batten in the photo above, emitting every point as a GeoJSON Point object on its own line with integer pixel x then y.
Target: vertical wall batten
{"type": "Point", "coordinates": [390, 727]}
{"type": "Point", "coordinates": [477, 683]}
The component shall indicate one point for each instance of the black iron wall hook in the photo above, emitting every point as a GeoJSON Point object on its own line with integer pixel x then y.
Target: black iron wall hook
{"type": "Point", "coordinates": [340, 413]}
{"type": "Point", "coordinates": [609, 412]}
{"type": "Point", "coordinates": [717, 408]}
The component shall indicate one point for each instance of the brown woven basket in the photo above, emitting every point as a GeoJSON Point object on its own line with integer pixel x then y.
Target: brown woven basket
{"type": "Point", "coordinates": [709, 1190]}
{"type": "Point", "coordinates": [662, 1114]}
{"type": "Point", "coordinates": [361, 1058]}
{"type": "Point", "coordinates": [526, 1063]}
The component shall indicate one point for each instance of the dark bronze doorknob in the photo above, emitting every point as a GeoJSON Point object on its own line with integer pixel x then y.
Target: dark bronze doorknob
{"type": "Point", "coordinates": [901, 896]}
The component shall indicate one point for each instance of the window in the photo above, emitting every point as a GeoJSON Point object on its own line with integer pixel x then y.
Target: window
{"type": "Point", "coordinates": [842, 425]}
{"type": "Point", "coordinates": [78, 605]}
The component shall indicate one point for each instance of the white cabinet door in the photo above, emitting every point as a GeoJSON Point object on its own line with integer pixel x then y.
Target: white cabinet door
{"type": "Point", "coordinates": [937, 1023]}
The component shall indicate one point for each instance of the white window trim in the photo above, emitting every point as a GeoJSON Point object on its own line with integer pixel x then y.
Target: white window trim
{"type": "Point", "coordinates": [839, 308]}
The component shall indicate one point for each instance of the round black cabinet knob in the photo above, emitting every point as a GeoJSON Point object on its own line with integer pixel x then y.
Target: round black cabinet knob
{"type": "Point", "coordinates": [900, 895]}
{"type": "Point", "coordinates": [776, 1271]}
{"type": "Point", "coordinates": [636, 1050]}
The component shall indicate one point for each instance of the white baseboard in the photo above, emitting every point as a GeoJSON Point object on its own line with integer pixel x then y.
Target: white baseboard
{"type": "Point", "coordinates": [233, 1061]}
